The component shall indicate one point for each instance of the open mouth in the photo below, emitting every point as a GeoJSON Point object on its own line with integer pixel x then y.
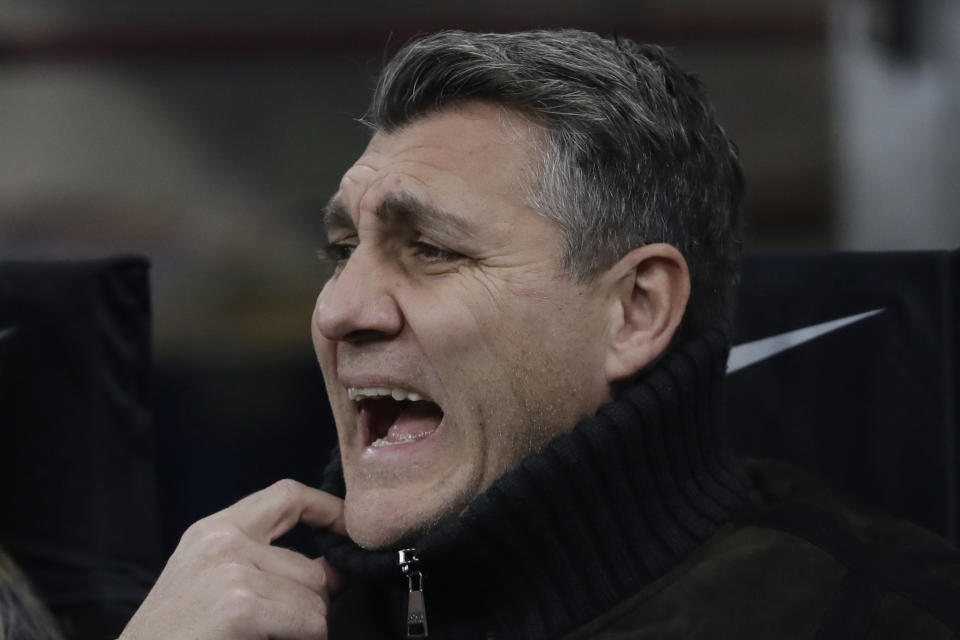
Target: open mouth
{"type": "Point", "coordinates": [391, 417]}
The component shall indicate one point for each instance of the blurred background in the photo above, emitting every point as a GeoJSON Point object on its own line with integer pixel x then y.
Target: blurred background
{"type": "Point", "coordinates": [206, 135]}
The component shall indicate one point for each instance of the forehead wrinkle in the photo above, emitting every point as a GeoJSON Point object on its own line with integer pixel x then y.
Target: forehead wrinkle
{"type": "Point", "coordinates": [405, 209]}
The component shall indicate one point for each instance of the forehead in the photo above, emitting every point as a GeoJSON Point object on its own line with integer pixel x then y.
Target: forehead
{"type": "Point", "coordinates": [476, 160]}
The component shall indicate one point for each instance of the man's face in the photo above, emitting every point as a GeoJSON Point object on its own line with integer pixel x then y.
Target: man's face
{"type": "Point", "coordinates": [448, 286]}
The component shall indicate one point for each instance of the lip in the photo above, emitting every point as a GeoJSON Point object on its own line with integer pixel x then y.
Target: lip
{"type": "Point", "coordinates": [420, 452]}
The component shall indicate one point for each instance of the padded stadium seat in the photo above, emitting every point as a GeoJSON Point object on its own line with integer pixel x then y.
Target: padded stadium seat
{"type": "Point", "coordinates": [866, 397]}
{"type": "Point", "coordinates": [77, 485]}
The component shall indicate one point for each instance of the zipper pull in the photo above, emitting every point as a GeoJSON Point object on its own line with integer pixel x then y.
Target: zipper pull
{"type": "Point", "coordinates": [416, 608]}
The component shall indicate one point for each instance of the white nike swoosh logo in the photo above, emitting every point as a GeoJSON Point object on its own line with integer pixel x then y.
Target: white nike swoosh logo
{"type": "Point", "coordinates": [748, 353]}
{"type": "Point", "coordinates": [6, 333]}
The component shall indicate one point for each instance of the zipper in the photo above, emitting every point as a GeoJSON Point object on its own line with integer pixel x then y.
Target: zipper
{"type": "Point", "coordinates": [416, 607]}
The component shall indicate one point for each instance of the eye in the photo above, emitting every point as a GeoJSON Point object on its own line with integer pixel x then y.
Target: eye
{"type": "Point", "coordinates": [432, 253]}
{"type": "Point", "coordinates": [336, 253]}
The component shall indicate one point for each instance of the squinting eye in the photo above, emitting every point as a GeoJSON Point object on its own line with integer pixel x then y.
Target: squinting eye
{"type": "Point", "coordinates": [433, 253]}
{"type": "Point", "coordinates": [336, 254]}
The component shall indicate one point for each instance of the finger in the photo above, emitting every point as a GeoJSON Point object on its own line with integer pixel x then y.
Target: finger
{"type": "Point", "coordinates": [268, 514]}
{"type": "Point", "coordinates": [323, 511]}
{"type": "Point", "coordinates": [295, 622]}
{"type": "Point", "coordinates": [275, 606]}
{"type": "Point", "coordinates": [294, 566]}
{"type": "Point", "coordinates": [335, 580]}
{"type": "Point", "coordinates": [318, 575]}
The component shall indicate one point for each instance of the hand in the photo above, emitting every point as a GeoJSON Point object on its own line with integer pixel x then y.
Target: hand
{"type": "Point", "coordinates": [226, 581]}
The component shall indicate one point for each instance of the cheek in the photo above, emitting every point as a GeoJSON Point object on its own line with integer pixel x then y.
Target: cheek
{"type": "Point", "coordinates": [446, 326]}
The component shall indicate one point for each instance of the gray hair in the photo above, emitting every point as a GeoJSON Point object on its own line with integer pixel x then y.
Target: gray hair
{"type": "Point", "coordinates": [633, 153]}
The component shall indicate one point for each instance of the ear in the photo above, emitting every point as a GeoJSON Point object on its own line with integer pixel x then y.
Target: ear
{"type": "Point", "coordinates": [651, 287]}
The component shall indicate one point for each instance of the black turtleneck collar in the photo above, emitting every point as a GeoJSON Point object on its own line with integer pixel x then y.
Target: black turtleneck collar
{"type": "Point", "coordinates": [585, 522]}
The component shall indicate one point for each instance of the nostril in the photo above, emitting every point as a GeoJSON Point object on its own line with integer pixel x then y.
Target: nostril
{"type": "Point", "coordinates": [362, 336]}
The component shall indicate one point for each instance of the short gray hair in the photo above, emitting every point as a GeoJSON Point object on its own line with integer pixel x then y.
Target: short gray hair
{"type": "Point", "coordinates": [633, 152]}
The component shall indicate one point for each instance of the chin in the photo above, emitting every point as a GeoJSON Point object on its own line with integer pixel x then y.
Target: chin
{"type": "Point", "coordinates": [375, 531]}
{"type": "Point", "coordinates": [386, 519]}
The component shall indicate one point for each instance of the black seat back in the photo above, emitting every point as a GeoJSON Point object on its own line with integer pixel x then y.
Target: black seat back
{"type": "Point", "coordinates": [868, 403]}
{"type": "Point", "coordinates": [78, 495]}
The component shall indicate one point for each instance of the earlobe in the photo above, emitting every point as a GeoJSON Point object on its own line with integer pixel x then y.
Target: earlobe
{"type": "Point", "coordinates": [651, 286]}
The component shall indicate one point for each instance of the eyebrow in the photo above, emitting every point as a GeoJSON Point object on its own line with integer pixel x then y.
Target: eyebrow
{"type": "Point", "coordinates": [402, 208]}
{"type": "Point", "coordinates": [336, 216]}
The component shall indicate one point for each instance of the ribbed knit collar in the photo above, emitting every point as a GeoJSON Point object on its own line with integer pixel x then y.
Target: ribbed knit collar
{"type": "Point", "coordinates": [585, 522]}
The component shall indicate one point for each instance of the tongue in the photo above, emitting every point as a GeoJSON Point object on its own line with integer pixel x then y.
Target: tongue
{"type": "Point", "coordinates": [417, 420]}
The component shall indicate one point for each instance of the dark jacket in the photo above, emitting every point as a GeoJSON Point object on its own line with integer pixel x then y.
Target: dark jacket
{"type": "Point", "coordinates": [800, 562]}
{"type": "Point", "coordinates": [639, 523]}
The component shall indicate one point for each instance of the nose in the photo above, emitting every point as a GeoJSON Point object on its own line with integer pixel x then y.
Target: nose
{"type": "Point", "coordinates": [357, 304]}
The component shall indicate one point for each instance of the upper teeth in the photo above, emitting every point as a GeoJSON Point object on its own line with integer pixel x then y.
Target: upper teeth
{"type": "Point", "coordinates": [358, 393]}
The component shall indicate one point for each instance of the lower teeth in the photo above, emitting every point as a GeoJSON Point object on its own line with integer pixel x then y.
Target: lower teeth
{"type": "Point", "coordinates": [383, 442]}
